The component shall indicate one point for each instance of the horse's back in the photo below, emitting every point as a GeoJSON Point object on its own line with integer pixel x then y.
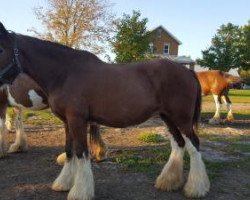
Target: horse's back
{"type": "Point", "coordinates": [212, 81]}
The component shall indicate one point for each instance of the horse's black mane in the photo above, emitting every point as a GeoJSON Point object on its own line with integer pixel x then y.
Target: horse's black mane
{"type": "Point", "coordinates": [56, 45]}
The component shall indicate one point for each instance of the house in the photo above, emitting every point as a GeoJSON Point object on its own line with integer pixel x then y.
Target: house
{"type": "Point", "coordinates": [165, 44]}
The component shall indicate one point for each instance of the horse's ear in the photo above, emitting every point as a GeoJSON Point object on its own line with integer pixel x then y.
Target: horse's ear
{"type": "Point", "coordinates": [3, 31]}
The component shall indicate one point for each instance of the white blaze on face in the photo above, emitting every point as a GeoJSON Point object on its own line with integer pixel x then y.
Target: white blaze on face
{"type": "Point", "coordinates": [37, 101]}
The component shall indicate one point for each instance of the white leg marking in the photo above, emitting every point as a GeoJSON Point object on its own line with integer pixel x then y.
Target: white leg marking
{"type": "Point", "coordinates": [3, 142]}
{"type": "Point", "coordinates": [37, 101]}
{"type": "Point", "coordinates": [21, 138]}
{"type": "Point", "coordinates": [198, 183]}
{"type": "Point", "coordinates": [12, 101]}
{"type": "Point", "coordinates": [230, 116]}
{"type": "Point", "coordinates": [8, 121]}
{"type": "Point", "coordinates": [216, 117]}
{"type": "Point", "coordinates": [65, 179]}
{"type": "Point", "coordinates": [83, 188]}
{"type": "Point", "coordinates": [171, 177]}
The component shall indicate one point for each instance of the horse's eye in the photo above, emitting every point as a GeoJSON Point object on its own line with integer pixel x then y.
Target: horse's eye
{"type": "Point", "coordinates": [1, 50]}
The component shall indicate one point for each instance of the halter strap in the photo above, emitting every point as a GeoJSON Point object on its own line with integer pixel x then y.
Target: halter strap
{"type": "Point", "coordinates": [9, 73]}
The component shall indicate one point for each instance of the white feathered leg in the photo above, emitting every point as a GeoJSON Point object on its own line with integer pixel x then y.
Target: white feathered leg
{"type": "Point", "coordinates": [198, 183]}
{"type": "Point", "coordinates": [20, 143]}
{"type": "Point", "coordinates": [65, 180]}
{"type": "Point", "coordinates": [83, 188]}
{"type": "Point", "coordinates": [171, 177]}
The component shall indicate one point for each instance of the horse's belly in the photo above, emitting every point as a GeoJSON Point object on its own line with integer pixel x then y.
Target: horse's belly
{"type": "Point", "coordinates": [32, 100]}
{"type": "Point", "coordinates": [124, 115]}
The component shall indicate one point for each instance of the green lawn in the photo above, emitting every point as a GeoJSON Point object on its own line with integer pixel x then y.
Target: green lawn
{"type": "Point", "coordinates": [236, 96]}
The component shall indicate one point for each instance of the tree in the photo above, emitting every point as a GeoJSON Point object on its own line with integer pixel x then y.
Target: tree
{"type": "Point", "coordinates": [244, 47]}
{"type": "Point", "coordinates": [76, 23]}
{"type": "Point", "coordinates": [131, 41]}
{"type": "Point", "coordinates": [224, 52]}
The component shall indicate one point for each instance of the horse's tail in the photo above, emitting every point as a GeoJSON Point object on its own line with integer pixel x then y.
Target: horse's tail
{"type": "Point", "coordinates": [197, 111]}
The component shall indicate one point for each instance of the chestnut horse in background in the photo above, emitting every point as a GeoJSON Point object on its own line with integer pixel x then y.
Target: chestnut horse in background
{"type": "Point", "coordinates": [25, 93]}
{"type": "Point", "coordinates": [218, 83]}
{"type": "Point", "coordinates": [81, 89]}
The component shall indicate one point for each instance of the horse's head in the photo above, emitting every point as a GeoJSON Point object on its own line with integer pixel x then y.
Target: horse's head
{"type": "Point", "coordinates": [9, 63]}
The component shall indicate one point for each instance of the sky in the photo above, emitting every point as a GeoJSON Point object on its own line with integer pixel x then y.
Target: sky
{"type": "Point", "coordinates": [193, 22]}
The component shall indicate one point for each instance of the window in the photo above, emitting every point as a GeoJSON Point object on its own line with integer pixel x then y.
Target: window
{"type": "Point", "coordinates": [151, 47]}
{"type": "Point", "coordinates": [166, 48]}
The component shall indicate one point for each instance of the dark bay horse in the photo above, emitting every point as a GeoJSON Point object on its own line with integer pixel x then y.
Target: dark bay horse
{"type": "Point", "coordinates": [81, 89]}
{"type": "Point", "coordinates": [25, 93]}
{"type": "Point", "coordinates": [218, 83]}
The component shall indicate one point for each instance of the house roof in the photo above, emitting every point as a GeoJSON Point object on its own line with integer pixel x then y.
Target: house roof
{"type": "Point", "coordinates": [186, 60]}
{"type": "Point", "coordinates": [169, 33]}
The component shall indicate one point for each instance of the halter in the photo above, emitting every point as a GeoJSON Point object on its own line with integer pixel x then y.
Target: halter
{"type": "Point", "coordinates": [9, 73]}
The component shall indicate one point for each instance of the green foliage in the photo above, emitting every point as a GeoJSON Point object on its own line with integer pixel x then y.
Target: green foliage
{"type": "Point", "coordinates": [131, 42]}
{"type": "Point", "coordinates": [150, 137]}
{"type": "Point", "coordinates": [244, 48]}
{"type": "Point", "coordinates": [245, 75]}
{"type": "Point", "coordinates": [223, 54]}
{"type": "Point", "coordinates": [80, 24]}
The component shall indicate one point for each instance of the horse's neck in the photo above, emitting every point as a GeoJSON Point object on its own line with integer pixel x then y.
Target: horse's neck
{"type": "Point", "coordinates": [43, 69]}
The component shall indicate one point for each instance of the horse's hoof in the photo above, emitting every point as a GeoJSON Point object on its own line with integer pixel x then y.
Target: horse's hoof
{"type": "Point", "coordinates": [61, 159]}
{"type": "Point", "coordinates": [99, 157]}
{"type": "Point", "coordinates": [16, 148]}
{"type": "Point", "coordinates": [229, 120]}
{"type": "Point", "coordinates": [79, 194]}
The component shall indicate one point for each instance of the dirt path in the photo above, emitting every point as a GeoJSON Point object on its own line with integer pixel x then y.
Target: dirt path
{"type": "Point", "coordinates": [28, 176]}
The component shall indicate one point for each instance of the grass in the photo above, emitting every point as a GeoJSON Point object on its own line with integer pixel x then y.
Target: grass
{"type": "Point", "coordinates": [148, 163]}
{"type": "Point", "coordinates": [222, 138]}
{"type": "Point", "coordinates": [238, 147]}
{"type": "Point", "coordinates": [36, 117]}
{"type": "Point", "coordinates": [151, 162]}
{"type": "Point", "coordinates": [150, 137]}
{"type": "Point", "coordinates": [238, 114]}
{"type": "Point", "coordinates": [236, 96]}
